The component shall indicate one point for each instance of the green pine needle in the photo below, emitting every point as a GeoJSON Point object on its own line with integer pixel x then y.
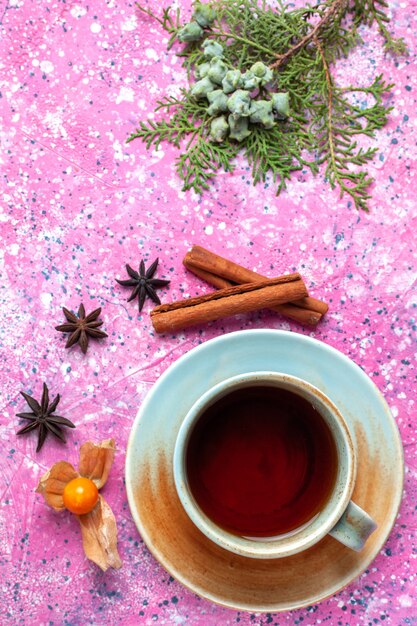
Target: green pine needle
{"type": "Point", "coordinates": [327, 119]}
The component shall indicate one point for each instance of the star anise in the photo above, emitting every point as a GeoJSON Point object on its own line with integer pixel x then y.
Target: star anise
{"type": "Point", "coordinates": [81, 327]}
{"type": "Point", "coordinates": [143, 283]}
{"type": "Point", "coordinates": [42, 417]}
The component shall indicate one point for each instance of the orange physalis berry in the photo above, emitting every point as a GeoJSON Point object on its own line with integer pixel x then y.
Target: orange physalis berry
{"type": "Point", "coordinates": [80, 495]}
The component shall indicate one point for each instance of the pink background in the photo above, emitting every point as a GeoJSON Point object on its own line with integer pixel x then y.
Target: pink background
{"type": "Point", "coordinates": [77, 203]}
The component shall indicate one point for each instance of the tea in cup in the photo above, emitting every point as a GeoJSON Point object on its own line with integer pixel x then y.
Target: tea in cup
{"type": "Point", "coordinates": [265, 466]}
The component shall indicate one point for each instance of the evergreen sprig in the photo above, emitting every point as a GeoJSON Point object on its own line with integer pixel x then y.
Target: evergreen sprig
{"type": "Point", "coordinates": [374, 11]}
{"type": "Point", "coordinates": [327, 119]}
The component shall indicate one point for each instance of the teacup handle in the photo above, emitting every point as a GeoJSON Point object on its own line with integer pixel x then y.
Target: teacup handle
{"type": "Point", "coordinates": [354, 527]}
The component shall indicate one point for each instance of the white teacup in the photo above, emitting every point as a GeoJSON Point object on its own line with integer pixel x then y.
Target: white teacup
{"type": "Point", "coordinates": [337, 514]}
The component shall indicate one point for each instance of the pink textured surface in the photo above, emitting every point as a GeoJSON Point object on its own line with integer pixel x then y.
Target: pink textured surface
{"type": "Point", "coordinates": [77, 203]}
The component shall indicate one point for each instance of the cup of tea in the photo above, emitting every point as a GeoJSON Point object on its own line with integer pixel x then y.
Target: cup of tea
{"type": "Point", "coordinates": [264, 465]}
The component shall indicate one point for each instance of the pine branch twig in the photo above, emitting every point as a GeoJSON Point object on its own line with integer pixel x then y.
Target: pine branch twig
{"type": "Point", "coordinates": [336, 7]}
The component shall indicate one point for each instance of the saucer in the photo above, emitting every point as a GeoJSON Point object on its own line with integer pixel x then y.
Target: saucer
{"type": "Point", "coordinates": [244, 583]}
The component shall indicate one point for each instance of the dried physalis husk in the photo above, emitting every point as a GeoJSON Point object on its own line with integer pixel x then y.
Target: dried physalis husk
{"type": "Point", "coordinates": [99, 533]}
{"type": "Point", "coordinates": [98, 526]}
{"type": "Point", "coordinates": [96, 461]}
{"type": "Point", "coordinates": [53, 483]}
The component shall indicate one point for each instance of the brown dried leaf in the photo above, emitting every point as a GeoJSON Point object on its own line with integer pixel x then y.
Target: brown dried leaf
{"type": "Point", "coordinates": [52, 484]}
{"type": "Point", "coordinates": [99, 532]}
{"type": "Point", "coordinates": [96, 461]}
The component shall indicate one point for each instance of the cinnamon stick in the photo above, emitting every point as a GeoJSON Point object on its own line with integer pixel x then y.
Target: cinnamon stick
{"type": "Point", "coordinates": [221, 272]}
{"type": "Point", "coordinates": [298, 314]}
{"type": "Point", "coordinates": [226, 302]}
{"type": "Point", "coordinates": [212, 279]}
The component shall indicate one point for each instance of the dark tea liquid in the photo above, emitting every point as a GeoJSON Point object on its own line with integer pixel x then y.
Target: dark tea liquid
{"type": "Point", "coordinates": [261, 462]}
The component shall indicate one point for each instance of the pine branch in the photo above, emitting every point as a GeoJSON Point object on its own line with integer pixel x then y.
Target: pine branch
{"type": "Point", "coordinates": [332, 13]}
{"type": "Point", "coordinates": [201, 160]}
{"type": "Point", "coordinates": [370, 11]}
{"type": "Point", "coordinates": [301, 45]}
{"type": "Point", "coordinates": [184, 115]}
{"type": "Point", "coordinates": [276, 152]}
{"type": "Point", "coordinates": [336, 144]}
{"type": "Point", "coordinates": [166, 21]}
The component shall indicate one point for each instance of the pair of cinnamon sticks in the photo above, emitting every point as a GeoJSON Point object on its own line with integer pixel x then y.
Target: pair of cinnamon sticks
{"type": "Point", "coordinates": [239, 291]}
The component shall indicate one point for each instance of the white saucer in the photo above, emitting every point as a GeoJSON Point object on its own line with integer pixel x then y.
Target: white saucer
{"type": "Point", "coordinates": [205, 568]}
